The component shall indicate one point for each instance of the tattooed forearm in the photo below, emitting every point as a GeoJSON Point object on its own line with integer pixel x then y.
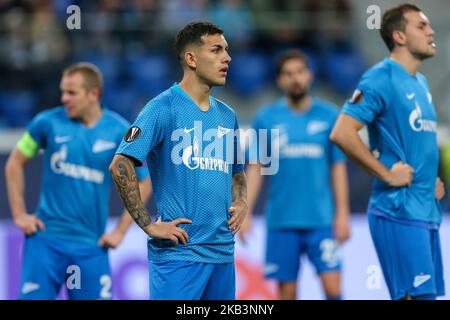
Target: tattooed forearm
{"type": "Point", "coordinates": [124, 175]}
{"type": "Point", "coordinates": [239, 187]}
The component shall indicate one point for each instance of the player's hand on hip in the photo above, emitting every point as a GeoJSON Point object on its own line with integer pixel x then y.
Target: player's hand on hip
{"type": "Point", "coordinates": [238, 211]}
{"type": "Point", "coordinates": [245, 228]}
{"type": "Point", "coordinates": [169, 230]}
{"type": "Point", "coordinates": [401, 175]}
{"type": "Point", "coordinates": [111, 240]}
{"type": "Point", "coordinates": [440, 189]}
{"type": "Point", "coordinates": [29, 223]}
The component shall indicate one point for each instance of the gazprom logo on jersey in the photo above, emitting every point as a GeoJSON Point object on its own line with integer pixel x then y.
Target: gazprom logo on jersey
{"type": "Point", "coordinates": [300, 150]}
{"type": "Point", "coordinates": [59, 166]}
{"type": "Point", "coordinates": [192, 160]}
{"type": "Point", "coordinates": [217, 149]}
{"type": "Point", "coordinates": [418, 124]}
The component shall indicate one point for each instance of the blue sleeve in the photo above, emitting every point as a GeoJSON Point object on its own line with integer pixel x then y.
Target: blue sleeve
{"type": "Point", "coordinates": [145, 133]}
{"type": "Point", "coordinates": [238, 166]}
{"type": "Point", "coordinates": [253, 151]}
{"type": "Point", "coordinates": [142, 173]}
{"type": "Point", "coordinates": [367, 102]}
{"type": "Point", "coordinates": [258, 122]}
{"type": "Point", "coordinates": [336, 154]}
{"type": "Point", "coordinates": [38, 129]}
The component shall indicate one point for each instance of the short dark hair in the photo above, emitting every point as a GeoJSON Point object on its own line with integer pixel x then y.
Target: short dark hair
{"type": "Point", "coordinates": [92, 75]}
{"type": "Point", "coordinates": [192, 34]}
{"type": "Point", "coordinates": [288, 55]}
{"type": "Point", "coordinates": [394, 19]}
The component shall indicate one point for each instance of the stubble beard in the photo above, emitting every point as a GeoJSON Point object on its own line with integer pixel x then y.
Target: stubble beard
{"type": "Point", "coordinates": [297, 96]}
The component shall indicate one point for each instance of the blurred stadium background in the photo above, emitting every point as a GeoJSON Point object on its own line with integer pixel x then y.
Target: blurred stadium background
{"type": "Point", "coordinates": [130, 41]}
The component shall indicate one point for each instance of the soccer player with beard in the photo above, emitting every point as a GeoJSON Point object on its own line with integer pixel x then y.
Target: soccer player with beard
{"type": "Point", "coordinates": [393, 100]}
{"type": "Point", "coordinates": [307, 209]}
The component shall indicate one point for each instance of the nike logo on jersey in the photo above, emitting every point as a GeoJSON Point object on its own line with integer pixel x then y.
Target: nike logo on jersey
{"type": "Point", "coordinates": [316, 127]}
{"type": "Point", "coordinates": [421, 279]}
{"type": "Point", "coordinates": [221, 131]}
{"type": "Point", "coordinates": [62, 139]}
{"type": "Point", "coordinates": [188, 130]}
{"type": "Point", "coordinates": [103, 145]}
{"type": "Point", "coordinates": [410, 96]}
{"type": "Point", "coordinates": [29, 287]}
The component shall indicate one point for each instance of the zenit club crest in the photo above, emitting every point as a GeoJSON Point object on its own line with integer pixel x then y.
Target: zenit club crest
{"type": "Point", "coordinates": [132, 134]}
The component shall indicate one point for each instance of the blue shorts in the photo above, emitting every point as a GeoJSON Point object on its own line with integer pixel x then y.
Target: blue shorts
{"type": "Point", "coordinates": [50, 262]}
{"type": "Point", "coordinates": [284, 248]}
{"type": "Point", "coordinates": [186, 280]}
{"type": "Point", "coordinates": [410, 257]}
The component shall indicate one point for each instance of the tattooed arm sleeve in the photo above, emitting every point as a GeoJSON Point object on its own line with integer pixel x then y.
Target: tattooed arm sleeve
{"type": "Point", "coordinates": [124, 175]}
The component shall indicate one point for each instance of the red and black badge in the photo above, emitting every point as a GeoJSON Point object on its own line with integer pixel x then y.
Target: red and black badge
{"type": "Point", "coordinates": [132, 134]}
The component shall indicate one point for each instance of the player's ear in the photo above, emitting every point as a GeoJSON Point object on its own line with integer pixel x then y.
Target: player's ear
{"type": "Point", "coordinates": [190, 59]}
{"type": "Point", "coordinates": [95, 93]}
{"type": "Point", "coordinates": [399, 37]}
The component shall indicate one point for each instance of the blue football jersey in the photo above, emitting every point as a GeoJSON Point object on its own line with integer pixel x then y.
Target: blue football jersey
{"type": "Point", "coordinates": [191, 157]}
{"type": "Point", "coordinates": [398, 110]}
{"type": "Point", "coordinates": [76, 182]}
{"type": "Point", "coordinates": [300, 194]}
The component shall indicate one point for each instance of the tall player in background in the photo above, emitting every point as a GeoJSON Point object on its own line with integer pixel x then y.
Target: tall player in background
{"type": "Point", "coordinates": [394, 102]}
{"type": "Point", "coordinates": [307, 209]}
{"type": "Point", "coordinates": [200, 194]}
{"type": "Point", "coordinates": [79, 140]}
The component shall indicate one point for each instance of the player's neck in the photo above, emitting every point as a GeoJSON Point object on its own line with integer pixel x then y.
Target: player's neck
{"type": "Point", "coordinates": [199, 92]}
{"type": "Point", "coordinates": [91, 116]}
{"type": "Point", "coordinates": [301, 105]}
{"type": "Point", "coordinates": [406, 60]}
